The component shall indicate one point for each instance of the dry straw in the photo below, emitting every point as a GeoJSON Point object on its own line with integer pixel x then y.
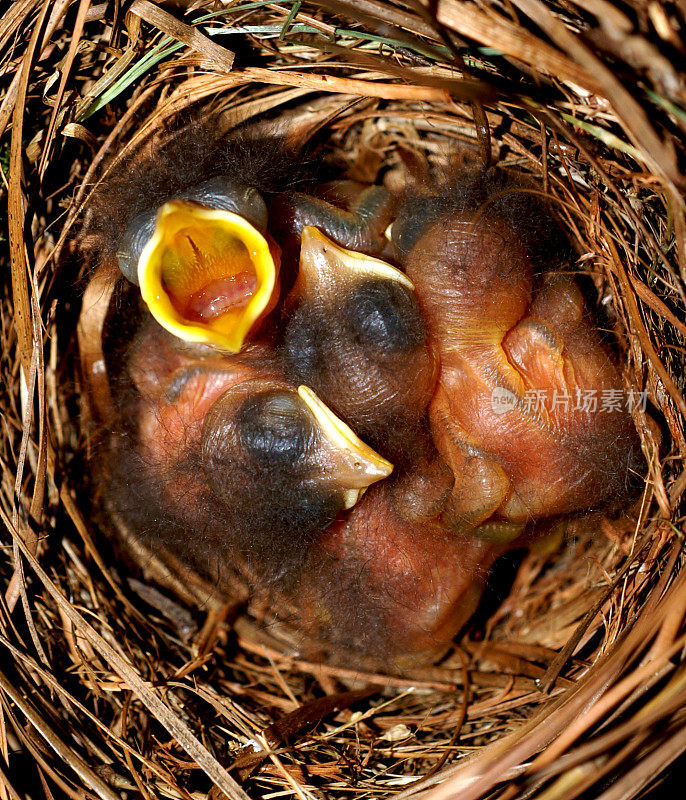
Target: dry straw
{"type": "Point", "coordinates": [574, 684]}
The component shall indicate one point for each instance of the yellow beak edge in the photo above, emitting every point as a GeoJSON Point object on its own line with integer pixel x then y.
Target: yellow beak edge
{"type": "Point", "coordinates": [207, 275]}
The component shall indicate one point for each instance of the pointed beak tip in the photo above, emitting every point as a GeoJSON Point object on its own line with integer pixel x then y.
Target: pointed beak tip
{"type": "Point", "coordinates": [373, 464]}
{"type": "Point", "coordinates": [360, 464]}
{"type": "Point", "coordinates": [309, 232]}
{"type": "Point", "coordinates": [313, 240]}
{"type": "Point", "coordinates": [320, 253]}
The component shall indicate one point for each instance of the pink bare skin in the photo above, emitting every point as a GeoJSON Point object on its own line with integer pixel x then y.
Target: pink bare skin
{"type": "Point", "coordinates": [221, 464]}
{"type": "Point", "coordinates": [498, 327]}
{"type": "Point", "coordinates": [214, 467]}
{"type": "Point", "coordinates": [176, 386]}
{"type": "Point", "coordinates": [381, 589]}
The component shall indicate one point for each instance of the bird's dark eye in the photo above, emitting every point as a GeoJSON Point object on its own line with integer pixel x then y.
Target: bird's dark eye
{"type": "Point", "coordinates": [383, 315]}
{"type": "Point", "coordinates": [274, 428]}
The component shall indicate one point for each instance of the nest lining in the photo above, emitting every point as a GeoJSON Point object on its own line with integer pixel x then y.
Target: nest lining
{"type": "Point", "coordinates": [570, 683]}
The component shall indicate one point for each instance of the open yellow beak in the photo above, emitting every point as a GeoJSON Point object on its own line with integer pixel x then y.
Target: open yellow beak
{"type": "Point", "coordinates": [207, 275]}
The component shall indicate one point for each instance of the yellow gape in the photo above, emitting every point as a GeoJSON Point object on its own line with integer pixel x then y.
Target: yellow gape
{"type": "Point", "coordinates": [207, 275]}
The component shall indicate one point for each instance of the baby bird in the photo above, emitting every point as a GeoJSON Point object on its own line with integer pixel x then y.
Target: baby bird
{"type": "Point", "coordinates": [223, 448]}
{"type": "Point", "coordinates": [353, 214]}
{"type": "Point", "coordinates": [382, 589]}
{"type": "Point", "coordinates": [353, 331]}
{"type": "Point", "coordinates": [196, 227]}
{"type": "Point", "coordinates": [519, 358]}
{"type": "Point", "coordinates": [264, 378]}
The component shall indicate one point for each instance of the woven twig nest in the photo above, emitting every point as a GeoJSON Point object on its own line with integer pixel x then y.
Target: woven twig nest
{"type": "Point", "coordinates": [568, 682]}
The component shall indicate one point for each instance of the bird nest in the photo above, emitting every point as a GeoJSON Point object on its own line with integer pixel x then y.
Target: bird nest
{"type": "Point", "coordinates": [571, 679]}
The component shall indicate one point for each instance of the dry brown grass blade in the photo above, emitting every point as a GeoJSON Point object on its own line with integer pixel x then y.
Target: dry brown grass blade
{"type": "Point", "coordinates": [460, 88]}
{"type": "Point", "coordinates": [34, 744]}
{"type": "Point", "coordinates": [219, 56]}
{"type": "Point", "coordinates": [639, 725]}
{"type": "Point", "coordinates": [84, 5]}
{"type": "Point", "coordinates": [44, 446]}
{"type": "Point", "coordinates": [548, 680]}
{"type": "Point", "coordinates": [13, 18]}
{"type": "Point", "coordinates": [8, 101]}
{"type": "Point", "coordinates": [618, 692]}
{"type": "Point", "coordinates": [6, 789]}
{"type": "Point", "coordinates": [51, 681]}
{"type": "Point", "coordinates": [637, 222]}
{"type": "Point", "coordinates": [15, 211]}
{"type": "Point", "coordinates": [512, 41]}
{"type": "Point", "coordinates": [457, 725]}
{"type": "Point", "coordinates": [556, 727]}
{"type": "Point", "coordinates": [634, 781]}
{"type": "Point", "coordinates": [372, 87]}
{"type": "Point", "coordinates": [281, 731]}
{"type": "Point", "coordinates": [652, 300]}
{"type": "Point", "coordinates": [636, 123]}
{"type": "Point", "coordinates": [642, 333]}
{"type": "Point", "coordinates": [384, 12]}
{"type": "Point", "coordinates": [63, 750]}
{"type": "Point", "coordinates": [58, 9]}
{"type": "Point", "coordinates": [200, 88]}
{"type": "Point", "coordinates": [125, 670]}
{"type": "Point", "coordinates": [96, 301]}
{"type": "Point", "coordinates": [16, 587]}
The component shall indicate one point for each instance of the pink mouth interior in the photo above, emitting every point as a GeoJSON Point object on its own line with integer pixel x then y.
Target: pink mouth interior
{"type": "Point", "coordinates": [219, 296]}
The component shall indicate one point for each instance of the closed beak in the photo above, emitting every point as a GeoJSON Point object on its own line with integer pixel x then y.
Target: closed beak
{"type": "Point", "coordinates": [325, 266]}
{"type": "Point", "coordinates": [350, 462]}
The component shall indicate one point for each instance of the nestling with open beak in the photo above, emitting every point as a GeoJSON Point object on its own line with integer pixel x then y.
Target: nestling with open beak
{"type": "Point", "coordinates": [194, 226]}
